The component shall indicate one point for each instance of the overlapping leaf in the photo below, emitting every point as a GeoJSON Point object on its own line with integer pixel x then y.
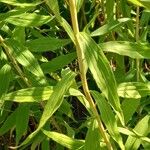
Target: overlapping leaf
{"type": "Point", "coordinates": [125, 48]}
{"type": "Point", "coordinates": [53, 103]}
{"type": "Point", "coordinates": [108, 117]}
{"type": "Point", "coordinates": [25, 58]}
{"type": "Point", "coordinates": [64, 140]}
{"type": "Point", "coordinates": [46, 44]}
{"type": "Point", "coordinates": [134, 90]}
{"type": "Point", "coordinates": [100, 69]}
{"type": "Point", "coordinates": [34, 94]}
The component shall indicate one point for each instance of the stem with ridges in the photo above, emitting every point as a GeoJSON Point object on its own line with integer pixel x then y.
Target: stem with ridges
{"type": "Point", "coordinates": [137, 38]}
{"type": "Point", "coordinates": [82, 69]}
{"type": "Point", "coordinates": [13, 61]}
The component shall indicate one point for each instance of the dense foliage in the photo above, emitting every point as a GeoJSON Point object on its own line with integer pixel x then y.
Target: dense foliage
{"type": "Point", "coordinates": [74, 74]}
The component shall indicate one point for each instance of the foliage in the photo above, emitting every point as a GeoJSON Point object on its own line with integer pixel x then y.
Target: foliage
{"type": "Point", "coordinates": [75, 74]}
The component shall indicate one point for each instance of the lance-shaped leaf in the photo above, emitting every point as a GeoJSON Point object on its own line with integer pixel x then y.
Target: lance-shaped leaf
{"type": "Point", "coordinates": [142, 129]}
{"type": "Point", "coordinates": [108, 117]}
{"type": "Point", "coordinates": [125, 48]}
{"type": "Point", "coordinates": [25, 58]}
{"type": "Point", "coordinates": [28, 19]}
{"type": "Point", "coordinates": [101, 70]}
{"type": "Point", "coordinates": [17, 3]}
{"type": "Point", "coordinates": [53, 103]}
{"type": "Point", "coordinates": [134, 90]}
{"type": "Point", "coordinates": [34, 94]}
{"type": "Point", "coordinates": [46, 44]}
{"type": "Point", "coordinates": [64, 140]}
{"type": "Point", "coordinates": [5, 75]}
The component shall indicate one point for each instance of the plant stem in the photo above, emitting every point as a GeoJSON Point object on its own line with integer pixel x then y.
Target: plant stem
{"type": "Point", "coordinates": [82, 69]}
{"type": "Point", "coordinates": [137, 39]}
{"type": "Point", "coordinates": [13, 61]}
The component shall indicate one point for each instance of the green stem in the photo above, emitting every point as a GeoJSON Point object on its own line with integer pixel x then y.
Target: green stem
{"type": "Point", "coordinates": [13, 61]}
{"type": "Point", "coordinates": [82, 69]}
{"type": "Point", "coordinates": [137, 39]}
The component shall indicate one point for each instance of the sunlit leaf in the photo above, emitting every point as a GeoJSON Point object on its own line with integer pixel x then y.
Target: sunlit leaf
{"type": "Point", "coordinates": [17, 3]}
{"type": "Point", "coordinates": [28, 19]}
{"type": "Point", "coordinates": [34, 94]}
{"type": "Point", "coordinates": [142, 128]}
{"type": "Point", "coordinates": [107, 28]}
{"type": "Point", "coordinates": [133, 90]}
{"type": "Point", "coordinates": [126, 48]}
{"type": "Point", "coordinates": [53, 103]}
{"type": "Point", "coordinates": [64, 140]}
{"type": "Point", "coordinates": [25, 58]}
{"type": "Point", "coordinates": [5, 75]}
{"type": "Point", "coordinates": [100, 69]}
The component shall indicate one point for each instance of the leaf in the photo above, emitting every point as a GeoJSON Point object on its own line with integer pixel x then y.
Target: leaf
{"type": "Point", "coordinates": [134, 134]}
{"type": "Point", "coordinates": [17, 3]}
{"type": "Point", "coordinates": [34, 94]}
{"type": "Point", "coordinates": [129, 107]}
{"type": "Point", "coordinates": [93, 138]}
{"type": "Point", "coordinates": [81, 98]}
{"type": "Point", "coordinates": [134, 90]}
{"type": "Point", "coordinates": [9, 123]}
{"type": "Point", "coordinates": [46, 44]}
{"type": "Point", "coordinates": [142, 128]}
{"type": "Point", "coordinates": [101, 71]}
{"type": "Point", "coordinates": [112, 25]}
{"type": "Point", "coordinates": [53, 5]}
{"type": "Point", "coordinates": [22, 118]}
{"type": "Point", "coordinates": [64, 140]}
{"type": "Point", "coordinates": [53, 103]}
{"type": "Point", "coordinates": [79, 4]}
{"type": "Point", "coordinates": [110, 9]}
{"type": "Point", "coordinates": [28, 19]}
{"type": "Point", "coordinates": [58, 62]}
{"type": "Point", "coordinates": [5, 75]}
{"type": "Point", "coordinates": [108, 117]}
{"type": "Point", "coordinates": [13, 12]}
{"type": "Point", "coordinates": [25, 58]}
{"type": "Point", "coordinates": [142, 3]}
{"type": "Point", "coordinates": [125, 48]}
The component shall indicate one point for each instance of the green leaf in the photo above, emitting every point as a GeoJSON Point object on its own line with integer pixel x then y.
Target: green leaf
{"type": "Point", "coordinates": [134, 90]}
{"type": "Point", "coordinates": [134, 134]}
{"type": "Point", "coordinates": [5, 75]}
{"type": "Point", "coordinates": [28, 19]}
{"type": "Point", "coordinates": [125, 48]}
{"type": "Point", "coordinates": [53, 5]}
{"type": "Point", "coordinates": [25, 58]}
{"type": "Point", "coordinates": [79, 4]}
{"type": "Point", "coordinates": [101, 70]}
{"type": "Point", "coordinates": [17, 3]}
{"type": "Point", "coordinates": [9, 123]}
{"type": "Point", "coordinates": [129, 107]}
{"type": "Point", "coordinates": [46, 44]}
{"type": "Point", "coordinates": [34, 94]}
{"type": "Point", "coordinates": [110, 9]}
{"type": "Point", "coordinates": [112, 25]}
{"type": "Point", "coordinates": [13, 12]}
{"type": "Point", "coordinates": [93, 138]}
{"type": "Point", "coordinates": [58, 63]}
{"type": "Point", "coordinates": [53, 103]}
{"type": "Point", "coordinates": [64, 140]}
{"type": "Point", "coordinates": [108, 117]}
{"type": "Point", "coordinates": [142, 3]}
{"type": "Point", "coordinates": [142, 128]}
{"type": "Point", "coordinates": [22, 118]}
